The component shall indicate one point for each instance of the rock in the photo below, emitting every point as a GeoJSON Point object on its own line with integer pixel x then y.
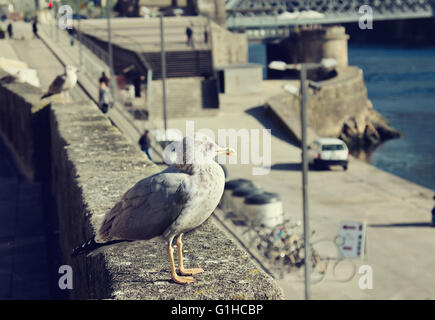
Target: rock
{"type": "Point", "coordinates": [371, 134]}
{"type": "Point", "coordinates": [385, 131]}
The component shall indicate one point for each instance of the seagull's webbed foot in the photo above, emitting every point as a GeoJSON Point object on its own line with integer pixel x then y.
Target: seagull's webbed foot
{"type": "Point", "coordinates": [175, 276]}
{"type": "Point", "coordinates": [191, 272]}
{"type": "Point", "coordinates": [184, 271]}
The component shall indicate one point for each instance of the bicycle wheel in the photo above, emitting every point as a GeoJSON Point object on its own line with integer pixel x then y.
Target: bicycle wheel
{"type": "Point", "coordinates": [319, 266]}
{"type": "Point", "coordinates": [344, 270]}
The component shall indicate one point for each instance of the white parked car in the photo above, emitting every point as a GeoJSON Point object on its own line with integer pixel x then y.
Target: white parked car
{"type": "Point", "coordinates": [325, 152]}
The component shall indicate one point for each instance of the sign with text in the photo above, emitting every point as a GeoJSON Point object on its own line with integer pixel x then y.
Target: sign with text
{"type": "Point", "coordinates": [351, 239]}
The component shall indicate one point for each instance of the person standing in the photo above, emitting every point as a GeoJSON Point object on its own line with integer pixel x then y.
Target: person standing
{"type": "Point", "coordinates": [105, 98]}
{"type": "Point", "coordinates": [35, 27]}
{"type": "Point", "coordinates": [72, 34]}
{"type": "Point", "coordinates": [10, 31]}
{"type": "Point", "coordinates": [189, 34]}
{"type": "Point", "coordinates": [145, 144]}
{"type": "Point", "coordinates": [104, 78]}
{"type": "Point", "coordinates": [205, 35]}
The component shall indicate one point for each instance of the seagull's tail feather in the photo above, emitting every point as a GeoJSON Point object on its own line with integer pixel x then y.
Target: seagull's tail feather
{"type": "Point", "coordinates": [91, 246]}
{"type": "Point", "coordinates": [46, 95]}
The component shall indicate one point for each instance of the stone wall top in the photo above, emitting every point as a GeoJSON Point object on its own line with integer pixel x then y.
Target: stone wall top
{"type": "Point", "coordinates": [93, 165]}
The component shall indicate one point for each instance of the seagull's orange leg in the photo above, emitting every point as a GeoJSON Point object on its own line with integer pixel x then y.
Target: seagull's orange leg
{"type": "Point", "coordinates": [175, 276]}
{"type": "Point", "coordinates": [180, 260]}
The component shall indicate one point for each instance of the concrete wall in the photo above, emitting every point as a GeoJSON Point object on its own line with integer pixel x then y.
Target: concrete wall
{"type": "Point", "coordinates": [184, 98]}
{"type": "Point", "coordinates": [314, 45]}
{"type": "Point", "coordinates": [91, 165]}
{"type": "Point", "coordinates": [340, 99]}
{"type": "Point", "coordinates": [18, 114]}
{"type": "Point", "coordinates": [228, 47]}
{"type": "Point", "coordinates": [241, 79]}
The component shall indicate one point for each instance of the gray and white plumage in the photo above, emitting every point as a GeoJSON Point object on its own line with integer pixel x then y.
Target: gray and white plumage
{"type": "Point", "coordinates": [169, 203]}
{"type": "Point", "coordinates": [63, 82]}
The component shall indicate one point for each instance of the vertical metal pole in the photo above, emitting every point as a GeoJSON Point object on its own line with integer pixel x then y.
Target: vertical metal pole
{"type": "Point", "coordinates": [163, 61]}
{"type": "Point", "coordinates": [79, 37]}
{"type": "Point", "coordinates": [110, 48]}
{"type": "Point", "coordinates": [56, 11]}
{"type": "Point", "coordinates": [307, 248]}
{"type": "Point", "coordinates": [51, 24]}
{"type": "Point", "coordinates": [149, 82]}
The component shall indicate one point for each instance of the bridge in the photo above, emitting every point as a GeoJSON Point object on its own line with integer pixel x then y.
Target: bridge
{"type": "Point", "coordinates": [272, 18]}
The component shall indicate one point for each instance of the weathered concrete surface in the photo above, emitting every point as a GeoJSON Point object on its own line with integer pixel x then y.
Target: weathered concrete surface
{"type": "Point", "coordinates": [93, 165]}
{"type": "Point", "coordinates": [185, 97]}
{"type": "Point", "coordinates": [241, 78]}
{"type": "Point", "coordinates": [21, 109]}
{"type": "Point", "coordinates": [228, 47]}
{"type": "Point", "coordinates": [314, 45]}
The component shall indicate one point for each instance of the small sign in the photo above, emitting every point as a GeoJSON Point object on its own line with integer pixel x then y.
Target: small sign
{"type": "Point", "coordinates": [351, 239]}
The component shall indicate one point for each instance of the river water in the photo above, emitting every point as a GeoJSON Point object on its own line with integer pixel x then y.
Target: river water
{"type": "Point", "coordinates": [401, 85]}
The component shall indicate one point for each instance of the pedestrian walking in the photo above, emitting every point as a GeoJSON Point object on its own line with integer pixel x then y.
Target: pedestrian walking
{"type": "Point", "coordinates": [35, 27]}
{"type": "Point", "coordinates": [10, 31]}
{"type": "Point", "coordinates": [105, 98]}
{"type": "Point", "coordinates": [104, 78]}
{"type": "Point", "coordinates": [433, 214]}
{"type": "Point", "coordinates": [189, 34]}
{"type": "Point", "coordinates": [72, 34]}
{"type": "Point", "coordinates": [145, 144]}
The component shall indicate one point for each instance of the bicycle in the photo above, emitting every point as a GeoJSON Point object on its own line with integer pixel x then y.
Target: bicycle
{"type": "Point", "coordinates": [343, 269]}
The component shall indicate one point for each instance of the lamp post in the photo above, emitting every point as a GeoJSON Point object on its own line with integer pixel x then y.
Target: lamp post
{"type": "Point", "coordinates": [79, 36]}
{"type": "Point", "coordinates": [110, 48]}
{"type": "Point", "coordinates": [303, 67]}
{"type": "Point", "coordinates": [163, 66]}
{"type": "Point", "coordinates": [55, 15]}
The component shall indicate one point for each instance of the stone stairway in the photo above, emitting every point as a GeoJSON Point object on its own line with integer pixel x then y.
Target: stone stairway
{"type": "Point", "coordinates": [189, 63]}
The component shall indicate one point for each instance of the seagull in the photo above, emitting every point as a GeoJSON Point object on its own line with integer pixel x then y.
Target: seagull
{"type": "Point", "coordinates": [20, 75]}
{"type": "Point", "coordinates": [10, 78]}
{"type": "Point", "coordinates": [63, 82]}
{"type": "Point", "coordinates": [168, 204]}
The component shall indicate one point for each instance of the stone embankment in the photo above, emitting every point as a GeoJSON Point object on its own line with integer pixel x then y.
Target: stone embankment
{"type": "Point", "coordinates": [337, 107]}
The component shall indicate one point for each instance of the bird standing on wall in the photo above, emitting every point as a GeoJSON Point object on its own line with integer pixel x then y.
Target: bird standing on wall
{"type": "Point", "coordinates": [169, 203]}
{"type": "Point", "coordinates": [63, 83]}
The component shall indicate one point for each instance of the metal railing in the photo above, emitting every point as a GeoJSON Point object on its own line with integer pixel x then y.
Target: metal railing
{"type": "Point", "coordinates": [92, 61]}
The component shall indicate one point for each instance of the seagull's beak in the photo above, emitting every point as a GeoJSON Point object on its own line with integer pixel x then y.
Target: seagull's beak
{"type": "Point", "coordinates": [227, 151]}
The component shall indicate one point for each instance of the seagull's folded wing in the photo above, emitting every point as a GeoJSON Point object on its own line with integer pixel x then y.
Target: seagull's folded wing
{"type": "Point", "coordinates": [147, 209]}
{"type": "Point", "coordinates": [57, 85]}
